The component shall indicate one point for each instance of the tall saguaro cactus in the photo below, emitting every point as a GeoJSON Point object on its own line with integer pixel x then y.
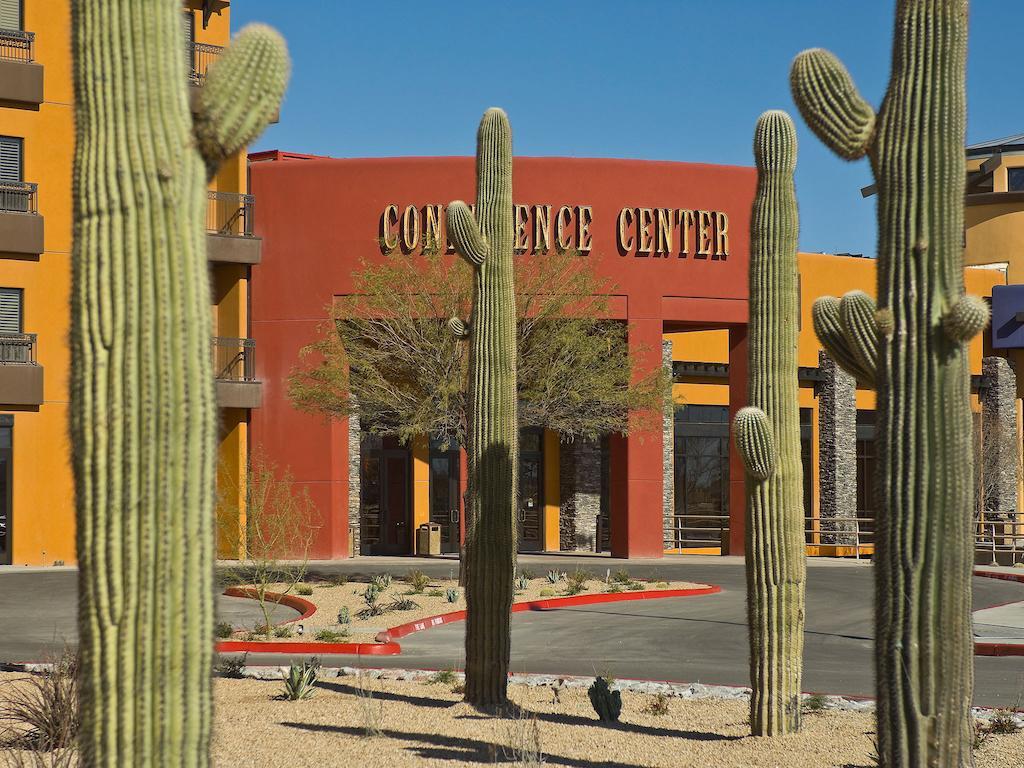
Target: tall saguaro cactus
{"type": "Point", "coordinates": [924, 554]}
{"type": "Point", "coordinates": [143, 415]}
{"type": "Point", "coordinates": [485, 242]}
{"type": "Point", "coordinates": [768, 439]}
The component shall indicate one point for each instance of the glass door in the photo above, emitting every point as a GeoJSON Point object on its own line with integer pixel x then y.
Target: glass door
{"type": "Point", "coordinates": [444, 493]}
{"type": "Point", "coordinates": [531, 490]}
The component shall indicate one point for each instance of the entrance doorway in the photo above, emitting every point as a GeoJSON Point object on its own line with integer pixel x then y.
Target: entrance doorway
{"type": "Point", "coordinates": [6, 487]}
{"type": "Point", "coordinates": [444, 493]}
{"type": "Point", "coordinates": [385, 490]}
{"type": "Point", "coordinates": [531, 490]}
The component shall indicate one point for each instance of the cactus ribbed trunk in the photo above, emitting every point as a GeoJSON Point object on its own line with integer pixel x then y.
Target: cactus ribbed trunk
{"type": "Point", "coordinates": [493, 449]}
{"type": "Point", "coordinates": [924, 556]}
{"type": "Point", "coordinates": [143, 410]}
{"type": "Point", "coordinates": [775, 539]}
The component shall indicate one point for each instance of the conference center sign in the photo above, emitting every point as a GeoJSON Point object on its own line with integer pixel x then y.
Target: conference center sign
{"type": "Point", "coordinates": [640, 232]}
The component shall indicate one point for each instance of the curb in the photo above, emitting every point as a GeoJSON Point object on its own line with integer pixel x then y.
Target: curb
{"type": "Point", "coordinates": [385, 645]}
{"type": "Point", "coordinates": [304, 607]}
{"type": "Point", "coordinates": [999, 649]}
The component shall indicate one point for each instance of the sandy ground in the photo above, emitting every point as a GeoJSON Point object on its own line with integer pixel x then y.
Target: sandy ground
{"type": "Point", "coordinates": [427, 725]}
{"type": "Point", "coordinates": [329, 599]}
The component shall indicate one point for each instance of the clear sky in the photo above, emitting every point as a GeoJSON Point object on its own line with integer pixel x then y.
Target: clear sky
{"type": "Point", "coordinates": [657, 80]}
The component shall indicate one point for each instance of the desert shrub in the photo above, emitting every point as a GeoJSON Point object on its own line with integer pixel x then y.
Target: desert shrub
{"type": "Point", "coordinates": [304, 589]}
{"type": "Point", "coordinates": [417, 581]}
{"type": "Point", "coordinates": [657, 705]}
{"type": "Point", "coordinates": [555, 576]}
{"type": "Point", "coordinates": [382, 581]}
{"type": "Point", "coordinates": [576, 582]}
{"type": "Point", "coordinates": [451, 595]}
{"type": "Point", "coordinates": [527, 574]}
{"type": "Point", "coordinates": [231, 666]}
{"type": "Point", "coordinates": [330, 636]}
{"type": "Point", "coordinates": [661, 585]}
{"type": "Point", "coordinates": [635, 586]}
{"type": "Point", "coordinates": [814, 702]}
{"type": "Point", "coordinates": [613, 587]}
{"type": "Point", "coordinates": [45, 710]}
{"type": "Point", "coordinates": [344, 617]}
{"type": "Point", "coordinates": [1003, 722]}
{"type": "Point", "coordinates": [621, 577]}
{"type": "Point", "coordinates": [300, 682]}
{"type": "Point", "coordinates": [222, 629]}
{"type": "Point", "coordinates": [372, 599]}
{"type": "Point", "coordinates": [370, 709]}
{"type": "Point", "coordinates": [435, 593]}
{"type": "Point", "coordinates": [522, 734]}
{"type": "Point", "coordinates": [547, 592]}
{"type": "Point", "coordinates": [444, 677]}
{"type": "Point", "coordinates": [285, 630]}
{"type": "Point", "coordinates": [522, 583]}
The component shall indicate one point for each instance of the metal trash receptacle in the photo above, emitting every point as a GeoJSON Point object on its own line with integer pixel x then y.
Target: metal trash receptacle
{"type": "Point", "coordinates": [428, 539]}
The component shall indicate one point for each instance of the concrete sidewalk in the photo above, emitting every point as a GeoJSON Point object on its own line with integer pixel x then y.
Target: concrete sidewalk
{"type": "Point", "coordinates": [1003, 624]}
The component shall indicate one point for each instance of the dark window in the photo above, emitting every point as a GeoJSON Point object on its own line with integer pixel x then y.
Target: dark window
{"type": "Point", "coordinates": [1015, 179]}
{"type": "Point", "coordinates": [866, 509]}
{"type": "Point", "coordinates": [701, 475]}
{"type": "Point", "coordinates": [6, 476]}
{"type": "Point", "coordinates": [10, 159]}
{"type": "Point", "coordinates": [10, 310]}
{"type": "Point", "coordinates": [10, 15]}
{"type": "Point", "coordinates": [807, 460]}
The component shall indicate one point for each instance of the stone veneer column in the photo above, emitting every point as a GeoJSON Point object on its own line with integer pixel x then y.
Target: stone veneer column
{"type": "Point", "coordinates": [354, 479]}
{"type": "Point", "coordinates": [579, 468]}
{"type": "Point", "coordinates": [999, 451]}
{"type": "Point", "coordinates": [837, 449]}
{"type": "Point", "coordinates": [668, 454]}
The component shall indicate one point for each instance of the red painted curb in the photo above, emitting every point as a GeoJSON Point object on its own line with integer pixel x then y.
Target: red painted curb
{"type": "Point", "coordinates": [304, 607]}
{"type": "Point", "coordinates": [999, 649]}
{"type": "Point", "coordinates": [356, 649]}
{"type": "Point", "coordinates": [547, 603]}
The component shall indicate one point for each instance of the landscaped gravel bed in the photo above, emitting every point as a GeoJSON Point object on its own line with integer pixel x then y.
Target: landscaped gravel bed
{"type": "Point", "coordinates": [330, 599]}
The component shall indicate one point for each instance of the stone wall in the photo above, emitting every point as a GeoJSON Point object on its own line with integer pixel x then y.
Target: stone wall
{"type": "Point", "coordinates": [354, 478]}
{"type": "Point", "coordinates": [1000, 456]}
{"type": "Point", "coordinates": [580, 484]}
{"type": "Point", "coordinates": [668, 460]}
{"type": "Point", "coordinates": [837, 447]}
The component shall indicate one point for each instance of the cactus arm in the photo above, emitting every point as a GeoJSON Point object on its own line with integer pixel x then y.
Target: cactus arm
{"type": "Point", "coordinates": [830, 103]}
{"type": "Point", "coordinates": [459, 328]}
{"type": "Point", "coordinates": [754, 442]}
{"type": "Point", "coordinates": [241, 94]}
{"type": "Point", "coordinates": [857, 314]}
{"type": "Point", "coordinates": [828, 326]}
{"type": "Point", "coordinates": [465, 233]}
{"type": "Point", "coordinates": [966, 319]}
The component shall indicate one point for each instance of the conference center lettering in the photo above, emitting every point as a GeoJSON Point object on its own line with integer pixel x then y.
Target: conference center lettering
{"type": "Point", "coordinates": [639, 232]}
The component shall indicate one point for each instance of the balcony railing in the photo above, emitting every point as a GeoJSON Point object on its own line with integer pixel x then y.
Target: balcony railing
{"type": "Point", "coordinates": [199, 57]}
{"type": "Point", "coordinates": [234, 359]}
{"type": "Point", "coordinates": [17, 197]}
{"type": "Point", "coordinates": [17, 349]}
{"type": "Point", "coordinates": [229, 213]}
{"type": "Point", "coordinates": [16, 45]}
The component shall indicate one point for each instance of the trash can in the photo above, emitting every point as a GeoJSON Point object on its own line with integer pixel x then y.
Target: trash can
{"type": "Point", "coordinates": [428, 539]}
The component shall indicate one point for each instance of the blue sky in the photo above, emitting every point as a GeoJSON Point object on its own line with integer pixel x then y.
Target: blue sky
{"type": "Point", "coordinates": [665, 80]}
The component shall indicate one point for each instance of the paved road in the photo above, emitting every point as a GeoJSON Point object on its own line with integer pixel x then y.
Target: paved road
{"type": "Point", "coordinates": [698, 639]}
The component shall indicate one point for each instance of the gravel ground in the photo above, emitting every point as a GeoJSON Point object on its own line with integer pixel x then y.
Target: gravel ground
{"type": "Point", "coordinates": [330, 598]}
{"type": "Point", "coordinates": [424, 724]}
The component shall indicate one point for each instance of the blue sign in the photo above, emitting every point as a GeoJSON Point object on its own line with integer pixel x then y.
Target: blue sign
{"type": "Point", "coordinates": [1007, 307]}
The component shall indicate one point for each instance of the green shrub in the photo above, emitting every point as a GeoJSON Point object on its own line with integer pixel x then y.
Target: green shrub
{"type": "Point", "coordinates": [814, 702]}
{"type": "Point", "coordinates": [555, 576]}
{"type": "Point", "coordinates": [223, 629]}
{"type": "Point", "coordinates": [304, 589]}
{"type": "Point", "coordinates": [231, 666]}
{"type": "Point", "coordinates": [451, 595]}
{"type": "Point", "coordinates": [613, 587]}
{"type": "Point", "coordinates": [403, 604]}
{"type": "Point", "coordinates": [417, 581]}
{"type": "Point", "coordinates": [330, 636]}
{"type": "Point", "coordinates": [547, 592]}
{"type": "Point", "coordinates": [527, 574]}
{"type": "Point", "coordinates": [576, 582]}
{"type": "Point", "coordinates": [285, 630]}
{"type": "Point", "coordinates": [443, 676]}
{"type": "Point", "coordinates": [657, 705]}
{"type": "Point", "coordinates": [522, 583]}
{"type": "Point", "coordinates": [621, 577]}
{"type": "Point", "coordinates": [344, 617]}
{"type": "Point", "coordinates": [382, 581]}
{"type": "Point", "coordinates": [45, 711]}
{"type": "Point", "coordinates": [635, 586]}
{"type": "Point", "coordinates": [435, 593]}
{"type": "Point", "coordinates": [661, 585]}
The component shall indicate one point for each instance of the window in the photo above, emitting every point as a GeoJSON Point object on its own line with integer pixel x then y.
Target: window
{"type": "Point", "coordinates": [866, 469]}
{"type": "Point", "coordinates": [807, 459]}
{"type": "Point", "coordinates": [701, 475]}
{"type": "Point", "coordinates": [10, 14]}
{"type": "Point", "coordinates": [1015, 179]}
{"type": "Point", "coordinates": [10, 310]}
{"type": "Point", "coordinates": [10, 158]}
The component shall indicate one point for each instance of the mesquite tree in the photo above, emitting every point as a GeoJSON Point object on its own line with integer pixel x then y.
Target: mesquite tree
{"type": "Point", "coordinates": [924, 550]}
{"type": "Point", "coordinates": [143, 413]}
{"type": "Point", "coordinates": [768, 439]}
{"type": "Point", "coordinates": [485, 241]}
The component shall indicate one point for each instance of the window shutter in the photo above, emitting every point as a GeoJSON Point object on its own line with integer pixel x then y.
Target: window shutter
{"type": "Point", "coordinates": [10, 14]}
{"type": "Point", "coordinates": [10, 310]}
{"type": "Point", "coordinates": [10, 158]}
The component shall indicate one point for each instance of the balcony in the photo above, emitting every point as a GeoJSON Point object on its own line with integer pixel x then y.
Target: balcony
{"type": "Point", "coordinates": [21, 78]}
{"type": "Point", "coordinates": [21, 226]}
{"type": "Point", "coordinates": [21, 378]}
{"type": "Point", "coordinates": [229, 238]}
{"type": "Point", "coordinates": [234, 365]}
{"type": "Point", "coordinates": [200, 56]}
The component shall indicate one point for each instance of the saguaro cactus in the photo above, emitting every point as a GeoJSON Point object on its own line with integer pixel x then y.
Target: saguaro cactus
{"type": "Point", "coordinates": [923, 553]}
{"type": "Point", "coordinates": [143, 415]}
{"type": "Point", "coordinates": [485, 241]}
{"type": "Point", "coordinates": [768, 439]}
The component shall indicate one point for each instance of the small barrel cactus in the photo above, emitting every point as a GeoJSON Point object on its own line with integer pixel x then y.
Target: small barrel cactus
{"type": "Point", "coordinates": [344, 616]}
{"type": "Point", "coordinates": [451, 595]}
{"type": "Point", "coordinates": [606, 702]}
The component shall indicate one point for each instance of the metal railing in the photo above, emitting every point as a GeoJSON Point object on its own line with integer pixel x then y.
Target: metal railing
{"type": "Point", "coordinates": [229, 213]}
{"type": "Point", "coordinates": [1000, 535]}
{"type": "Point", "coordinates": [694, 531]}
{"type": "Point", "coordinates": [234, 359]}
{"type": "Point", "coordinates": [17, 45]}
{"type": "Point", "coordinates": [17, 197]}
{"type": "Point", "coordinates": [843, 533]}
{"type": "Point", "coordinates": [17, 349]}
{"type": "Point", "coordinates": [199, 57]}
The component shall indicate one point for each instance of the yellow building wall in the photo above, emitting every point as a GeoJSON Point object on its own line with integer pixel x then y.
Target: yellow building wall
{"type": "Point", "coordinates": [552, 491]}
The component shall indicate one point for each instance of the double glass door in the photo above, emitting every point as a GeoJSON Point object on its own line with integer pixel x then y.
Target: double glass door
{"type": "Point", "coordinates": [386, 493]}
{"type": "Point", "coordinates": [531, 490]}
